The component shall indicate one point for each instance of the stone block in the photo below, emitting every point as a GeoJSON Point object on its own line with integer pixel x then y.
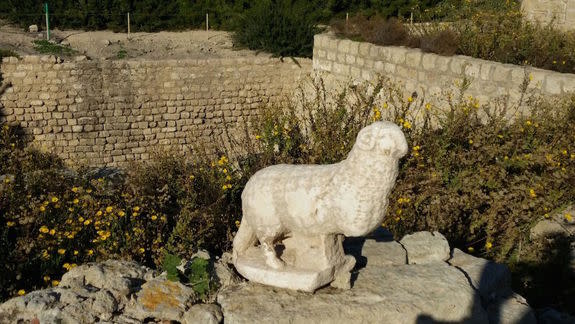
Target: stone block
{"type": "Point", "coordinates": [350, 59]}
{"type": "Point", "coordinates": [457, 64]}
{"type": "Point", "coordinates": [552, 84]}
{"type": "Point", "coordinates": [428, 61]}
{"type": "Point", "coordinates": [397, 54]}
{"type": "Point", "coordinates": [413, 58]}
{"type": "Point", "coordinates": [344, 46]}
{"type": "Point", "coordinates": [364, 49]}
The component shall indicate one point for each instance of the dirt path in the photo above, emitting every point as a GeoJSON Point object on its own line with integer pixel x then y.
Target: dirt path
{"type": "Point", "coordinates": [110, 45]}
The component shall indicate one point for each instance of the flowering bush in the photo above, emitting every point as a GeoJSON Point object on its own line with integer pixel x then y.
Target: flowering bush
{"type": "Point", "coordinates": [481, 178]}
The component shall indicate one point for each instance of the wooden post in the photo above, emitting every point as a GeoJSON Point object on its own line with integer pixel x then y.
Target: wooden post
{"type": "Point", "coordinates": [207, 22]}
{"type": "Point", "coordinates": [128, 24]}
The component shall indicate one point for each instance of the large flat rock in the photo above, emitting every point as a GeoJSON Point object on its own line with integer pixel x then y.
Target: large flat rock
{"type": "Point", "coordinates": [392, 294]}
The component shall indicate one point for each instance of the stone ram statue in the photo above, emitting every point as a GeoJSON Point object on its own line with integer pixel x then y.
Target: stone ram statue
{"type": "Point", "coordinates": [314, 205]}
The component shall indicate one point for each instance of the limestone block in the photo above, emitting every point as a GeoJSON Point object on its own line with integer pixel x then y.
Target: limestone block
{"type": "Point", "coordinates": [552, 84]}
{"type": "Point", "coordinates": [472, 69]}
{"type": "Point", "coordinates": [350, 59]}
{"type": "Point", "coordinates": [458, 64]}
{"type": "Point", "coordinates": [428, 61]}
{"type": "Point", "coordinates": [344, 46]}
{"type": "Point", "coordinates": [364, 48]}
{"type": "Point", "coordinates": [413, 58]}
{"type": "Point", "coordinates": [425, 247]}
{"type": "Point", "coordinates": [569, 84]}
{"type": "Point", "coordinates": [397, 54]}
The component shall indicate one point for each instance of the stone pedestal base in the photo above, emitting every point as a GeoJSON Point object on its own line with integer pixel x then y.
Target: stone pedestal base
{"type": "Point", "coordinates": [310, 263]}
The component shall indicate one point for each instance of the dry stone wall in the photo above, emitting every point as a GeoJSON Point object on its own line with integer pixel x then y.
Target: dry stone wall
{"type": "Point", "coordinates": [106, 113]}
{"type": "Point", "coordinates": [560, 12]}
{"type": "Point", "coordinates": [430, 75]}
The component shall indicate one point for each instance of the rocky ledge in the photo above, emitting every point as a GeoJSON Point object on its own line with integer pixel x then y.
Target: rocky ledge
{"type": "Point", "coordinates": [416, 280]}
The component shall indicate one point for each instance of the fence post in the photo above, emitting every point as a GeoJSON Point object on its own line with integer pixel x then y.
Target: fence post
{"type": "Point", "coordinates": [47, 21]}
{"type": "Point", "coordinates": [207, 22]}
{"type": "Point", "coordinates": [128, 24]}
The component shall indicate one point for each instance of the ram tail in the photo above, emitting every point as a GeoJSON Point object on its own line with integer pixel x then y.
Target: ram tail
{"type": "Point", "coordinates": [244, 239]}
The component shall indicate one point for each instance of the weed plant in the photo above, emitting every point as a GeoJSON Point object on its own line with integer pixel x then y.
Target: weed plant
{"type": "Point", "coordinates": [46, 47]}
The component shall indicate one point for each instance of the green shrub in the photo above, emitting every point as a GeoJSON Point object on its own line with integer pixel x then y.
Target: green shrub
{"type": "Point", "coordinates": [281, 27]}
{"type": "Point", "coordinates": [46, 47]}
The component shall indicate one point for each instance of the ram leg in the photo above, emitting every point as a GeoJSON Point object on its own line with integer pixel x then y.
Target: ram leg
{"type": "Point", "coordinates": [272, 259]}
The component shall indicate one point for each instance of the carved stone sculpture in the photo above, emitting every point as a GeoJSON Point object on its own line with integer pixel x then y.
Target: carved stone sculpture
{"type": "Point", "coordinates": [300, 213]}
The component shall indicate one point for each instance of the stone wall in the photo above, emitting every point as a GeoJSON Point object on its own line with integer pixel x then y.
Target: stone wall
{"type": "Point", "coordinates": [430, 74]}
{"type": "Point", "coordinates": [560, 12]}
{"type": "Point", "coordinates": [110, 112]}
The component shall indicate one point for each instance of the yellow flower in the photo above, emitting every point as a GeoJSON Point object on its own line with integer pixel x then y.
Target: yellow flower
{"type": "Point", "coordinates": [90, 252]}
{"type": "Point", "coordinates": [44, 229]}
{"type": "Point", "coordinates": [76, 252]}
{"type": "Point", "coordinates": [10, 223]}
{"type": "Point", "coordinates": [546, 215]}
{"type": "Point", "coordinates": [154, 217]}
{"type": "Point", "coordinates": [46, 278]}
{"type": "Point", "coordinates": [163, 218]}
{"type": "Point", "coordinates": [258, 137]}
{"type": "Point", "coordinates": [61, 251]}
{"type": "Point", "coordinates": [530, 77]}
{"type": "Point", "coordinates": [55, 283]}
{"type": "Point", "coordinates": [109, 209]}
{"type": "Point", "coordinates": [42, 208]}
{"type": "Point", "coordinates": [470, 249]}
{"type": "Point", "coordinates": [141, 250]}
{"type": "Point", "coordinates": [6, 180]}
{"type": "Point", "coordinates": [228, 178]}
{"type": "Point", "coordinates": [88, 190]}
{"type": "Point", "coordinates": [568, 217]}
{"type": "Point", "coordinates": [406, 124]}
{"type": "Point", "coordinates": [52, 232]}
{"type": "Point", "coordinates": [21, 292]}
{"type": "Point", "coordinates": [564, 152]}
{"type": "Point", "coordinates": [192, 177]}
{"type": "Point", "coordinates": [409, 99]}
{"type": "Point", "coordinates": [225, 170]}
{"type": "Point", "coordinates": [532, 193]}
{"type": "Point", "coordinates": [137, 208]}
{"type": "Point", "coordinates": [81, 219]}
{"type": "Point", "coordinates": [87, 222]}
{"type": "Point", "coordinates": [55, 199]}
{"type": "Point", "coordinates": [99, 213]}
{"type": "Point", "coordinates": [238, 223]}
{"type": "Point", "coordinates": [74, 189]}
{"type": "Point", "coordinates": [121, 213]}
{"type": "Point", "coordinates": [76, 201]}
{"type": "Point", "coordinates": [66, 266]}
{"type": "Point", "coordinates": [135, 214]}
{"type": "Point", "coordinates": [428, 106]}
{"type": "Point", "coordinates": [488, 245]}
{"type": "Point", "coordinates": [385, 105]}
{"type": "Point", "coordinates": [528, 123]}
{"type": "Point", "coordinates": [470, 141]}
{"type": "Point", "coordinates": [45, 254]}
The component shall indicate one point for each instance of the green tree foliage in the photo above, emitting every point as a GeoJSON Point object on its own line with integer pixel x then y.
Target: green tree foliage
{"type": "Point", "coordinates": [282, 27]}
{"type": "Point", "coordinates": [153, 15]}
